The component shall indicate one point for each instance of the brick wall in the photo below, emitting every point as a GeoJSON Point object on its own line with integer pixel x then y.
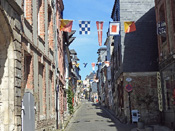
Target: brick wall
{"type": "Point", "coordinates": [28, 10]}
{"type": "Point", "coordinates": [41, 20]}
{"type": "Point", "coordinates": [50, 28]}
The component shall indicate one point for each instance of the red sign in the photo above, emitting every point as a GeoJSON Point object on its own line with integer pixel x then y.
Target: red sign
{"type": "Point", "coordinates": [128, 88]}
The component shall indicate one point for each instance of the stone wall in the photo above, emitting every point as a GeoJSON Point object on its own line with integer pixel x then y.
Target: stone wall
{"type": "Point", "coordinates": [144, 97]}
{"type": "Point", "coordinates": [22, 51]}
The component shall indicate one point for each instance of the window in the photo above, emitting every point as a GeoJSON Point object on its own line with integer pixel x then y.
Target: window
{"type": "Point", "coordinates": [28, 71]}
{"type": "Point", "coordinates": [40, 84]}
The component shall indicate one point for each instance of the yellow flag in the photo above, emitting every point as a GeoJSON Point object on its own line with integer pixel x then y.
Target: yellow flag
{"type": "Point", "coordinates": [129, 26]}
{"type": "Point", "coordinates": [66, 25]}
{"type": "Point", "coordinates": [77, 65]}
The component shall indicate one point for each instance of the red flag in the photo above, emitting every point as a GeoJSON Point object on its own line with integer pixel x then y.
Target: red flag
{"type": "Point", "coordinates": [66, 25]}
{"type": "Point", "coordinates": [99, 29]}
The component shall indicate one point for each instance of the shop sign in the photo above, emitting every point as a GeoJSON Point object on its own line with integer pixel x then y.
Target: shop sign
{"type": "Point", "coordinates": [159, 91]}
{"type": "Point", "coordinates": [161, 28]}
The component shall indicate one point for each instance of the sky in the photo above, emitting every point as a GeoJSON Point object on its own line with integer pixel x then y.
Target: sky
{"type": "Point", "coordinates": [87, 46]}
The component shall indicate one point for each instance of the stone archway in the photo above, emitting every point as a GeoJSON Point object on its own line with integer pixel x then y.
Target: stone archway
{"type": "Point", "coordinates": [6, 75]}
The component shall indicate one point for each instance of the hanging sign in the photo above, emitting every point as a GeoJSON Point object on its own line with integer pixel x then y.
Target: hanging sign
{"type": "Point", "coordinates": [161, 28]}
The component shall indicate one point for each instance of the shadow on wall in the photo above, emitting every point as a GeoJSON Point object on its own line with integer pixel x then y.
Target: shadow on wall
{"type": "Point", "coordinates": [141, 49]}
{"type": "Point", "coordinates": [5, 37]}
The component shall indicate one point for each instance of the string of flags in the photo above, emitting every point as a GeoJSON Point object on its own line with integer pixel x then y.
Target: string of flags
{"type": "Point", "coordinates": [84, 27]}
{"type": "Point", "coordinates": [106, 63]}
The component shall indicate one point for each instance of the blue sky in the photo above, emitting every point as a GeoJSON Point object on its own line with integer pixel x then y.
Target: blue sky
{"type": "Point", "coordinates": [87, 46]}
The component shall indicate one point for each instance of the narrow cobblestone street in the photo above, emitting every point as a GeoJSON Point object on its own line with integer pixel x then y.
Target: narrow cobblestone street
{"type": "Point", "coordinates": [91, 117]}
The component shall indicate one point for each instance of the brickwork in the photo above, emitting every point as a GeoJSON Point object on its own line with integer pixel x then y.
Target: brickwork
{"type": "Point", "coordinates": [50, 29]}
{"type": "Point", "coordinates": [41, 19]}
{"type": "Point", "coordinates": [28, 10]}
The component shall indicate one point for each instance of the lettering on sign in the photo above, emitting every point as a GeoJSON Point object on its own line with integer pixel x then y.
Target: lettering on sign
{"type": "Point", "coordinates": [161, 28]}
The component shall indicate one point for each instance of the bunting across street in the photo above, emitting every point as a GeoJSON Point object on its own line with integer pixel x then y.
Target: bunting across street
{"type": "Point", "coordinates": [66, 25]}
{"type": "Point", "coordinates": [100, 31]}
{"type": "Point", "coordinates": [84, 27]}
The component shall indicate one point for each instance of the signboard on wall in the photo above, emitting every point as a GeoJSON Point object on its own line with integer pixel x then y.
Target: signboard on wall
{"type": "Point", "coordinates": [161, 28]}
{"type": "Point", "coordinates": [159, 91]}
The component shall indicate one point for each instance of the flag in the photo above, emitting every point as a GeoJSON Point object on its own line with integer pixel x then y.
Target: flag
{"type": "Point", "coordinates": [77, 65]}
{"type": "Point", "coordinates": [114, 28]}
{"type": "Point", "coordinates": [107, 63]}
{"type": "Point", "coordinates": [84, 27]}
{"type": "Point", "coordinates": [100, 30]}
{"type": "Point", "coordinates": [129, 26]}
{"type": "Point", "coordinates": [93, 66]}
{"type": "Point", "coordinates": [66, 25]}
{"type": "Point", "coordinates": [85, 64]}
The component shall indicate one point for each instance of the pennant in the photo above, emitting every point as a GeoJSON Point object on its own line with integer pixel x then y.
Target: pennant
{"type": "Point", "coordinates": [114, 28]}
{"type": "Point", "coordinates": [66, 25]}
{"type": "Point", "coordinates": [100, 30]}
{"type": "Point", "coordinates": [93, 64]}
{"type": "Point", "coordinates": [84, 27]}
{"type": "Point", "coordinates": [85, 64]}
{"type": "Point", "coordinates": [129, 26]}
{"type": "Point", "coordinates": [107, 63]}
{"type": "Point", "coordinates": [77, 65]}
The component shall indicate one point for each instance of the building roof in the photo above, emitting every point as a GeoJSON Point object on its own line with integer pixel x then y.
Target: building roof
{"type": "Point", "coordinates": [101, 49]}
{"type": "Point", "coordinates": [72, 51]}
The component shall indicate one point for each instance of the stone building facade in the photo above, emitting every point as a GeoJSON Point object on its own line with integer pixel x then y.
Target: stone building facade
{"type": "Point", "coordinates": [102, 53]}
{"type": "Point", "coordinates": [165, 12]}
{"type": "Point", "coordinates": [28, 68]}
{"type": "Point", "coordinates": [134, 52]}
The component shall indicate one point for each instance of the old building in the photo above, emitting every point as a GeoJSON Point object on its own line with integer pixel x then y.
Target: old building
{"type": "Point", "coordinates": [109, 43]}
{"type": "Point", "coordinates": [102, 57]}
{"type": "Point", "coordinates": [75, 76]}
{"type": "Point", "coordinates": [31, 66]}
{"type": "Point", "coordinates": [134, 61]}
{"type": "Point", "coordinates": [165, 16]}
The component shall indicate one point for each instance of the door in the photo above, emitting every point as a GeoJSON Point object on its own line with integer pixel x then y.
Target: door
{"type": "Point", "coordinates": [28, 112]}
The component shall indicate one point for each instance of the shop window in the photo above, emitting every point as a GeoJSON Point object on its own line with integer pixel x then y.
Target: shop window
{"type": "Point", "coordinates": [162, 19]}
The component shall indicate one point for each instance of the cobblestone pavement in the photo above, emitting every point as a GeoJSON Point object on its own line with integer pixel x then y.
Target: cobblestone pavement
{"type": "Point", "coordinates": [91, 117]}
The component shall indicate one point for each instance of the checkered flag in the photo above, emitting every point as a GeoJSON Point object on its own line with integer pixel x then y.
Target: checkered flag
{"type": "Point", "coordinates": [84, 27]}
